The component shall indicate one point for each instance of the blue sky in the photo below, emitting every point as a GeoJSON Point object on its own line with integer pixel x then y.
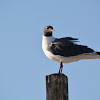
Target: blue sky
{"type": "Point", "coordinates": [23, 65]}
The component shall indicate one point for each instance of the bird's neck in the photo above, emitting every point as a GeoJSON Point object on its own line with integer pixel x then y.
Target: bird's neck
{"type": "Point", "coordinates": [47, 40]}
{"type": "Point", "coordinates": [47, 34]}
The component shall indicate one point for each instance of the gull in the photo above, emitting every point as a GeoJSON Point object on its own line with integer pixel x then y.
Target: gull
{"type": "Point", "coordinates": [65, 50]}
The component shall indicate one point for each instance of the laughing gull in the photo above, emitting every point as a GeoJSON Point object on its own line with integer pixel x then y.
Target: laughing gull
{"type": "Point", "coordinates": [65, 50]}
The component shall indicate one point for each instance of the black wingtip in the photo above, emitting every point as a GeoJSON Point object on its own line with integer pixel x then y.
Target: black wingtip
{"type": "Point", "coordinates": [98, 53]}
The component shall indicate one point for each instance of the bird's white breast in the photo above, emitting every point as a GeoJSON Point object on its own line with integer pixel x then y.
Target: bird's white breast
{"type": "Point", "coordinates": [45, 43]}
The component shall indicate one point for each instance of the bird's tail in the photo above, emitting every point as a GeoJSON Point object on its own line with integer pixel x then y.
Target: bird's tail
{"type": "Point", "coordinates": [94, 55]}
{"type": "Point", "coordinates": [98, 53]}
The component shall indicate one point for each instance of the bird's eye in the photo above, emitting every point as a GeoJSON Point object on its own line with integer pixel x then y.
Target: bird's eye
{"type": "Point", "coordinates": [49, 27]}
{"type": "Point", "coordinates": [46, 28]}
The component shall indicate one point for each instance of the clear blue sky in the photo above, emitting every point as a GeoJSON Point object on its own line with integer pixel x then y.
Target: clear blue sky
{"type": "Point", "coordinates": [23, 65]}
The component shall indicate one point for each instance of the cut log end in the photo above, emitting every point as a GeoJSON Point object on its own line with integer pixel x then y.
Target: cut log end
{"type": "Point", "coordinates": [56, 87]}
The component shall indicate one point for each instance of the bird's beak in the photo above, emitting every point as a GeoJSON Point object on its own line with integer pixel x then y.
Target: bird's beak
{"type": "Point", "coordinates": [52, 30]}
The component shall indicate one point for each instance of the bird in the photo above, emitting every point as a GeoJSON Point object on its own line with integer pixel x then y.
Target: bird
{"type": "Point", "coordinates": [66, 49]}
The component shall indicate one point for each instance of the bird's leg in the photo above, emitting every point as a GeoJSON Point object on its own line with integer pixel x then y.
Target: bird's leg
{"type": "Point", "coordinates": [61, 67]}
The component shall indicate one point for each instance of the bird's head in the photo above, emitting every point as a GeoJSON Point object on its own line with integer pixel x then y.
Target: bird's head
{"type": "Point", "coordinates": [48, 31]}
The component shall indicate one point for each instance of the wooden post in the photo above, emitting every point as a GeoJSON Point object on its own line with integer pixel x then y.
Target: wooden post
{"type": "Point", "coordinates": [56, 87]}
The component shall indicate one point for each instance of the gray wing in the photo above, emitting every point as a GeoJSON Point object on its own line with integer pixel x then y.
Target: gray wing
{"type": "Point", "coordinates": [67, 47]}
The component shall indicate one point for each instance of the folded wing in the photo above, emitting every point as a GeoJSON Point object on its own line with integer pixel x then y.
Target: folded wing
{"type": "Point", "coordinates": [67, 47]}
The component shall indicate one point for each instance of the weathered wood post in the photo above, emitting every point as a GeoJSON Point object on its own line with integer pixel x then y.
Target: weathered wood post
{"type": "Point", "coordinates": [56, 87]}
